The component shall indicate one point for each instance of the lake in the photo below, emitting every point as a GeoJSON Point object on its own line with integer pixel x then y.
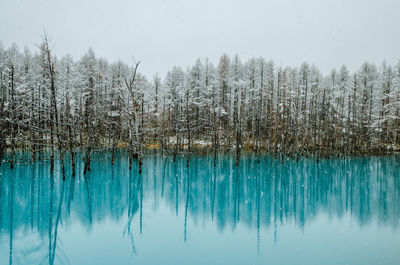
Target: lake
{"type": "Point", "coordinates": [337, 211]}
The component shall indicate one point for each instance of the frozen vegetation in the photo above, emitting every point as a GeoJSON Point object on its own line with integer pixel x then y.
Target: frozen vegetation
{"type": "Point", "coordinates": [66, 105]}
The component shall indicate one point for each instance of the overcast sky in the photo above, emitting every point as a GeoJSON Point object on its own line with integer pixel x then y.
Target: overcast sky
{"type": "Point", "coordinates": [163, 33]}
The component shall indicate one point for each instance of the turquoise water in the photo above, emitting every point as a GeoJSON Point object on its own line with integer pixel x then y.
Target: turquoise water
{"type": "Point", "coordinates": [332, 212]}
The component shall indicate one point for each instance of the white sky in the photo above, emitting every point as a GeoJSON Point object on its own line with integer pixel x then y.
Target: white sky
{"type": "Point", "coordinates": [163, 33]}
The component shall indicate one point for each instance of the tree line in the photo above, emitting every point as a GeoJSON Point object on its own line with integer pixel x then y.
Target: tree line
{"type": "Point", "coordinates": [69, 106]}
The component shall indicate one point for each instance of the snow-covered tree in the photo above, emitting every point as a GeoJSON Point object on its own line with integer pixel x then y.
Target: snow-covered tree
{"type": "Point", "coordinates": [72, 105]}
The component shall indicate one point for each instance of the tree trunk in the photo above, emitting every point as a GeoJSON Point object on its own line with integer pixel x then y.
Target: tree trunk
{"type": "Point", "coordinates": [188, 127]}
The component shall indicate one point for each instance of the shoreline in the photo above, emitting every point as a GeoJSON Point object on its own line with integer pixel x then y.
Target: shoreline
{"type": "Point", "coordinates": [208, 149]}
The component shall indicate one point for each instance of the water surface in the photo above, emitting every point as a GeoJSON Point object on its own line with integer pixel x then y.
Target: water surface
{"type": "Point", "coordinates": [332, 212]}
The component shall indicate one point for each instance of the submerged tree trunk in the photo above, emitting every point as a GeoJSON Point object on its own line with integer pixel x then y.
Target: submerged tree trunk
{"type": "Point", "coordinates": [2, 145]}
{"type": "Point", "coordinates": [130, 145]}
{"type": "Point", "coordinates": [238, 128]}
{"type": "Point", "coordinates": [70, 134]}
{"type": "Point", "coordinates": [238, 136]}
{"type": "Point", "coordinates": [113, 147]}
{"type": "Point", "coordinates": [141, 142]}
{"type": "Point", "coordinates": [71, 150]}
{"type": "Point", "coordinates": [12, 114]}
{"type": "Point", "coordinates": [215, 140]}
{"type": "Point", "coordinates": [135, 114]}
{"type": "Point", "coordinates": [188, 127]}
{"type": "Point", "coordinates": [87, 160]}
{"type": "Point", "coordinates": [2, 120]}
{"type": "Point", "coordinates": [54, 113]}
{"type": "Point", "coordinates": [51, 145]}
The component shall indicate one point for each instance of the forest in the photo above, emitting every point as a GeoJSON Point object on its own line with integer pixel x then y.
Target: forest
{"type": "Point", "coordinates": [64, 107]}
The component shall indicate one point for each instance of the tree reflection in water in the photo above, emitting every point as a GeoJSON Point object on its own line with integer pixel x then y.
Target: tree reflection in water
{"type": "Point", "coordinates": [266, 195]}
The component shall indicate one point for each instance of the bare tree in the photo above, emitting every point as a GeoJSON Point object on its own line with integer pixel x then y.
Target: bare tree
{"type": "Point", "coordinates": [133, 112]}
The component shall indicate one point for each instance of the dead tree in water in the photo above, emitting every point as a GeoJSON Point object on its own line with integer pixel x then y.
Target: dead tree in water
{"type": "Point", "coordinates": [215, 139]}
{"type": "Point", "coordinates": [87, 156]}
{"type": "Point", "coordinates": [9, 102]}
{"type": "Point", "coordinates": [68, 117]}
{"type": "Point", "coordinates": [70, 134]}
{"type": "Point", "coordinates": [2, 119]}
{"type": "Point", "coordinates": [175, 152]}
{"type": "Point", "coordinates": [163, 143]}
{"type": "Point", "coordinates": [141, 138]}
{"type": "Point", "coordinates": [54, 111]}
{"type": "Point", "coordinates": [133, 112]}
{"type": "Point", "coordinates": [12, 114]}
{"type": "Point", "coordinates": [188, 127]}
{"type": "Point", "coordinates": [88, 64]}
{"type": "Point", "coordinates": [238, 128]}
{"type": "Point", "coordinates": [259, 112]}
